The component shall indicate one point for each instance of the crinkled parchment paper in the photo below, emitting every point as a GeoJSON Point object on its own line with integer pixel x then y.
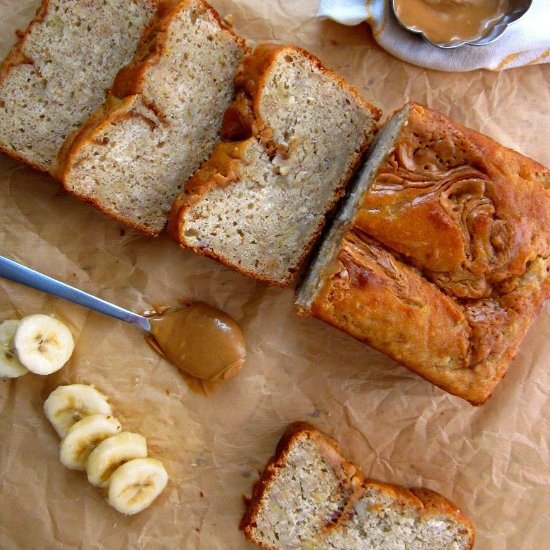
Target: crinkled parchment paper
{"type": "Point", "coordinates": [493, 461]}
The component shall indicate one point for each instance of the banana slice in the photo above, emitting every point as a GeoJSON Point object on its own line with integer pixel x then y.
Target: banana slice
{"type": "Point", "coordinates": [84, 437]}
{"type": "Point", "coordinates": [43, 344]}
{"type": "Point", "coordinates": [67, 405]}
{"type": "Point", "coordinates": [111, 453]}
{"type": "Point", "coordinates": [10, 366]}
{"type": "Point", "coordinates": [136, 484]}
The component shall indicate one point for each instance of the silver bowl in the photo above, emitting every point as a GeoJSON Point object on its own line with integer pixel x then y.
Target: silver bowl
{"type": "Point", "coordinates": [518, 8]}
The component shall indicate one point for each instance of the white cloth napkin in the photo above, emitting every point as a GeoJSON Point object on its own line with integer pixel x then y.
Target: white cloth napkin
{"type": "Point", "coordinates": [525, 42]}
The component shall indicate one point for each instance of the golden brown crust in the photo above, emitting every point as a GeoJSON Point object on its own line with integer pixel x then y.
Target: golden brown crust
{"type": "Point", "coordinates": [250, 75]}
{"type": "Point", "coordinates": [426, 502]}
{"type": "Point", "coordinates": [97, 122]}
{"type": "Point", "coordinates": [253, 73]}
{"type": "Point", "coordinates": [243, 121]}
{"type": "Point", "coordinates": [127, 87]}
{"type": "Point", "coordinates": [406, 314]}
{"type": "Point", "coordinates": [468, 221]}
{"type": "Point", "coordinates": [222, 168]}
{"type": "Point", "coordinates": [152, 44]}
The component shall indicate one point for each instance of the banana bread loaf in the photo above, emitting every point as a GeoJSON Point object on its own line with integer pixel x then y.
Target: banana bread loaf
{"type": "Point", "coordinates": [441, 256]}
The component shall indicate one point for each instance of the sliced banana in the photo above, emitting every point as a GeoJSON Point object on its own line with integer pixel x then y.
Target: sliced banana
{"type": "Point", "coordinates": [83, 438]}
{"type": "Point", "coordinates": [43, 344]}
{"type": "Point", "coordinates": [136, 484]}
{"type": "Point", "coordinates": [67, 405]}
{"type": "Point", "coordinates": [112, 453]}
{"type": "Point", "coordinates": [10, 366]}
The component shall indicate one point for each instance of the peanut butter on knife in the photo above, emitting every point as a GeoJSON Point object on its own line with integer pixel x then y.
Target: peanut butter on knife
{"type": "Point", "coordinates": [201, 341]}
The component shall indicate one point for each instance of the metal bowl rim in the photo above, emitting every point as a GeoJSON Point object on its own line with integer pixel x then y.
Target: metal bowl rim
{"type": "Point", "coordinates": [473, 42]}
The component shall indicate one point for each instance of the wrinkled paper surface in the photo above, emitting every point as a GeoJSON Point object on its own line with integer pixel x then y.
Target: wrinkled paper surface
{"type": "Point", "coordinates": [493, 461]}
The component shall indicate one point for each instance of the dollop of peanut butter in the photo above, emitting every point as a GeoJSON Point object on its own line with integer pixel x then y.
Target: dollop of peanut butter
{"type": "Point", "coordinates": [450, 21]}
{"type": "Point", "coordinates": [202, 341]}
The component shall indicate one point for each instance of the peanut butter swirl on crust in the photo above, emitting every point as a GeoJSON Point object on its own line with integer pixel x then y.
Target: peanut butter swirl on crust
{"type": "Point", "coordinates": [446, 261]}
{"type": "Point", "coordinates": [454, 201]}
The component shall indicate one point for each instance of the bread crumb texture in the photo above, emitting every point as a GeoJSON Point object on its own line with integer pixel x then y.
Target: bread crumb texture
{"type": "Point", "coordinates": [294, 136]}
{"type": "Point", "coordinates": [311, 498]}
{"type": "Point", "coordinates": [161, 121]}
{"type": "Point", "coordinates": [57, 73]}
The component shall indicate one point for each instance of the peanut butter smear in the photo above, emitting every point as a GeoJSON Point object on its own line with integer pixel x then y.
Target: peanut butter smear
{"type": "Point", "coordinates": [202, 341]}
{"type": "Point", "coordinates": [450, 21]}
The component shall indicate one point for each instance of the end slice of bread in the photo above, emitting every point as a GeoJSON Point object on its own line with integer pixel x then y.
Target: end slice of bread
{"type": "Point", "coordinates": [310, 497]}
{"type": "Point", "coordinates": [161, 120]}
{"type": "Point", "coordinates": [294, 137]}
{"type": "Point", "coordinates": [57, 73]}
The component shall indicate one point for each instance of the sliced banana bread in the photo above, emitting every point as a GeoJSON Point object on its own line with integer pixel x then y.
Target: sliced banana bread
{"type": "Point", "coordinates": [309, 497]}
{"type": "Point", "coordinates": [57, 73]}
{"type": "Point", "coordinates": [294, 137]}
{"type": "Point", "coordinates": [161, 120]}
{"type": "Point", "coordinates": [441, 256]}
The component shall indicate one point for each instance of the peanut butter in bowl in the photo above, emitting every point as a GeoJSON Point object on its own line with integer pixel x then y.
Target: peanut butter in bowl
{"type": "Point", "coordinates": [450, 22]}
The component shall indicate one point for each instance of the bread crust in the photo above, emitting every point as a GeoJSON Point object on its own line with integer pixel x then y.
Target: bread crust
{"type": "Point", "coordinates": [127, 87]}
{"type": "Point", "coordinates": [425, 501]}
{"type": "Point", "coordinates": [476, 236]}
{"type": "Point", "coordinates": [242, 122]}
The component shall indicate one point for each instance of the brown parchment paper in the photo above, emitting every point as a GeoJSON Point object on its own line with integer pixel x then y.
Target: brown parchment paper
{"type": "Point", "coordinates": [494, 461]}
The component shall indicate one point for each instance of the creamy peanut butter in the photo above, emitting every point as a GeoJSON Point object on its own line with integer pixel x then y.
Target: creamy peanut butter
{"type": "Point", "coordinates": [450, 21]}
{"type": "Point", "coordinates": [202, 341]}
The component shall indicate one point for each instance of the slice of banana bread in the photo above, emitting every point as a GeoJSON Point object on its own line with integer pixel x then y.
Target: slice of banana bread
{"type": "Point", "coordinates": [57, 73]}
{"type": "Point", "coordinates": [294, 137]}
{"type": "Point", "coordinates": [309, 497]}
{"type": "Point", "coordinates": [441, 256]}
{"type": "Point", "coordinates": [305, 487]}
{"type": "Point", "coordinates": [161, 120]}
